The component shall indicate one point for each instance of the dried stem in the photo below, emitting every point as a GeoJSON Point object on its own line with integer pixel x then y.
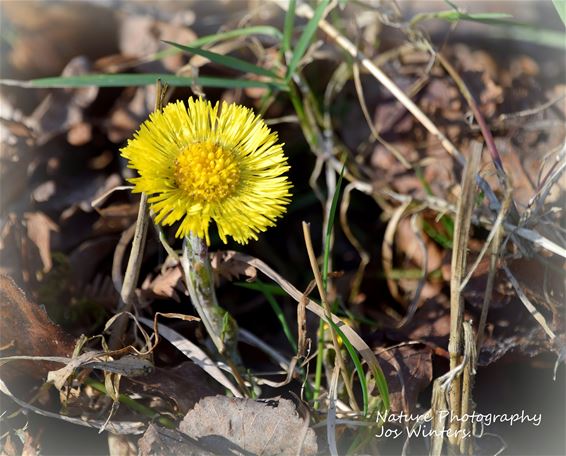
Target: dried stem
{"type": "Point", "coordinates": [467, 385]}
{"type": "Point", "coordinates": [458, 266]}
{"type": "Point", "coordinates": [494, 254]}
{"type": "Point", "coordinates": [136, 256]}
{"type": "Point", "coordinates": [318, 278]}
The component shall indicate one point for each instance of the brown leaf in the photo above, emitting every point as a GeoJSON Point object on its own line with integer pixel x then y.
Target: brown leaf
{"type": "Point", "coordinates": [158, 440]}
{"type": "Point", "coordinates": [184, 384]}
{"type": "Point", "coordinates": [120, 445]}
{"type": "Point", "coordinates": [39, 231]}
{"type": "Point", "coordinates": [242, 426]}
{"type": "Point", "coordinates": [226, 266]}
{"type": "Point", "coordinates": [63, 109]}
{"type": "Point", "coordinates": [143, 35]}
{"type": "Point", "coordinates": [79, 134]}
{"type": "Point", "coordinates": [115, 218]}
{"type": "Point", "coordinates": [129, 111]}
{"type": "Point", "coordinates": [165, 284]}
{"type": "Point", "coordinates": [48, 35]}
{"type": "Point", "coordinates": [408, 371]}
{"type": "Point", "coordinates": [25, 329]}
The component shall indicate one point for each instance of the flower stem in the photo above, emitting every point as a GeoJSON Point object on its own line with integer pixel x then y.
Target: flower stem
{"type": "Point", "coordinates": [221, 327]}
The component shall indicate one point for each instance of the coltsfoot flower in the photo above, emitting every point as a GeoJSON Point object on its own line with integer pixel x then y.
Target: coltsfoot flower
{"type": "Point", "coordinates": [201, 163]}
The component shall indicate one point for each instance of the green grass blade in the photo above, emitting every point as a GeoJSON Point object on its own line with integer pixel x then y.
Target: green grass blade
{"type": "Point", "coordinates": [288, 26]}
{"type": "Point", "coordinates": [335, 199]}
{"type": "Point", "coordinates": [130, 80]}
{"type": "Point", "coordinates": [531, 34]}
{"type": "Point", "coordinates": [484, 18]}
{"type": "Point", "coordinates": [441, 239]}
{"type": "Point", "coordinates": [209, 39]}
{"type": "Point", "coordinates": [455, 16]}
{"type": "Point", "coordinates": [382, 387]}
{"type": "Point", "coordinates": [560, 6]}
{"type": "Point", "coordinates": [356, 360]}
{"type": "Point", "coordinates": [330, 225]}
{"type": "Point", "coordinates": [445, 220]}
{"type": "Point", "coordinates": [271, 288]}
{"type": "Point", "coordinates": [511, 29]}
{"type": "Point", "coordinates": [305, 39]}
{"type": "Point", "coordinates": [226, 60]}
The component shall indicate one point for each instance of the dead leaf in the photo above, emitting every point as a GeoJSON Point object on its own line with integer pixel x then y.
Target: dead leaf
{"type": "Point", "coordinates": [184, 384]}
{"type": "Point", "coordinates": [115, 218]}
{"type": "Point", "coordinates": [431, 322]}
{"type": "Point", "coordinates": [129, 111]}
{"type": "Point", "coordinates": [15, 160]}
{"type": "Point", "coordinates": [225, 265]}
{"type": "Point", "coordinates": [244, 426]}
{"type": "Point", "coordinates": [63, 109]}
{"type": "Point", "coordinates": [158, 441]}
{"type": "Point", "coordinates": [39, 228]}
{"type": "Point", "coordinates": [79, 134]}
{"type": "Point", "coordinates": [25, 329]}
{"type": "Point", "coordinates": [85, 260]}
{"type": "Point", "coordinates": [120, 445]}
{"type": "Point", "coordinates": [143, 35]}
{"type": "Point", "coordinates": [408, 371]}
{"type": "Point", "coordinates": [47, 36]}
{"type": "Point", "coordinates": [164, 285]}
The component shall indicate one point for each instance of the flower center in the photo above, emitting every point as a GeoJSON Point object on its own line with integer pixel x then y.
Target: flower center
{"type": "Point", "coordinates": [207, 172]}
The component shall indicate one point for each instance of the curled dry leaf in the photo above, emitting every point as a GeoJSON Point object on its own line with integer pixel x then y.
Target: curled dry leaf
{"type": "Point", "coordinates": [164, 285]}
{"type": "Point", "coordinates": [225, 264]}
{"type": "Point", "coordinates": [243, 426]}
{"type": "Point", "coordinates": [127, 366]}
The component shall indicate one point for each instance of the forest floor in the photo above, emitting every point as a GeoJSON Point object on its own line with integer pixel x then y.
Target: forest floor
{"type": "Point", "coordinates": [426, 144]}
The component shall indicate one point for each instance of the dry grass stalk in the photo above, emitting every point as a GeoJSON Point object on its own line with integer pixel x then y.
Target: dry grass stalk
{"type": "Point", "coordinates": [136, 255]}
{"type": "Point", "coordinates": [468, 375]}
{"type": "Point", "coordinates": [364, 255]}
{"type": "Point", "coordinates": [458, 267]}
{"type": "Point", "coordinates": [494, 241]}
{"type": "Point", "coordinates": [338, 352]}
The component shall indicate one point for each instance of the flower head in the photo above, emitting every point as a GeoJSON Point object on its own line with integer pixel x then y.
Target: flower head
{"type": "Point", "coordinates": [199, 163]}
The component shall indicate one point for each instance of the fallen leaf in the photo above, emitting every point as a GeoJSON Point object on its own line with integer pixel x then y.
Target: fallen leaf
{"type": "Point", "coordinates": [130, 110]}
{"type": "Point", "coordinates": [408, 371]}
{"type": "Point", "coordinates": [164, 285]}
{"type": "Point", "coordinates": [158, 441]}
{"type": "Point", "coordinates": [25, 329]}
{"type": "Point", "coordinates": [63, 109]}
{"type": "Point", "coordinates": [47, 36]}
{"type": "Point", "coordinates": [142, 35]}
{"type": "Point", "coordinates": [184, 384]}
{"type": "Point", "coordinates": [120, 445]}
{"type": "Point", "coordinates": [224, 265]}
{"type": "Point", "coordinates": [39, 228]}
{"type": "Point", "coordinates": [241, 426]}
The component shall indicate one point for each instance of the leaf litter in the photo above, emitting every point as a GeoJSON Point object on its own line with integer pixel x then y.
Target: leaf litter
{"type": "Point", "coordinates": [59, 154]}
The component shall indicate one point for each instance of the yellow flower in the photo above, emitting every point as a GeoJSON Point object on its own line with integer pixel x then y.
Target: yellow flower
{"type": "Point", "coordinates": [197, 164]}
